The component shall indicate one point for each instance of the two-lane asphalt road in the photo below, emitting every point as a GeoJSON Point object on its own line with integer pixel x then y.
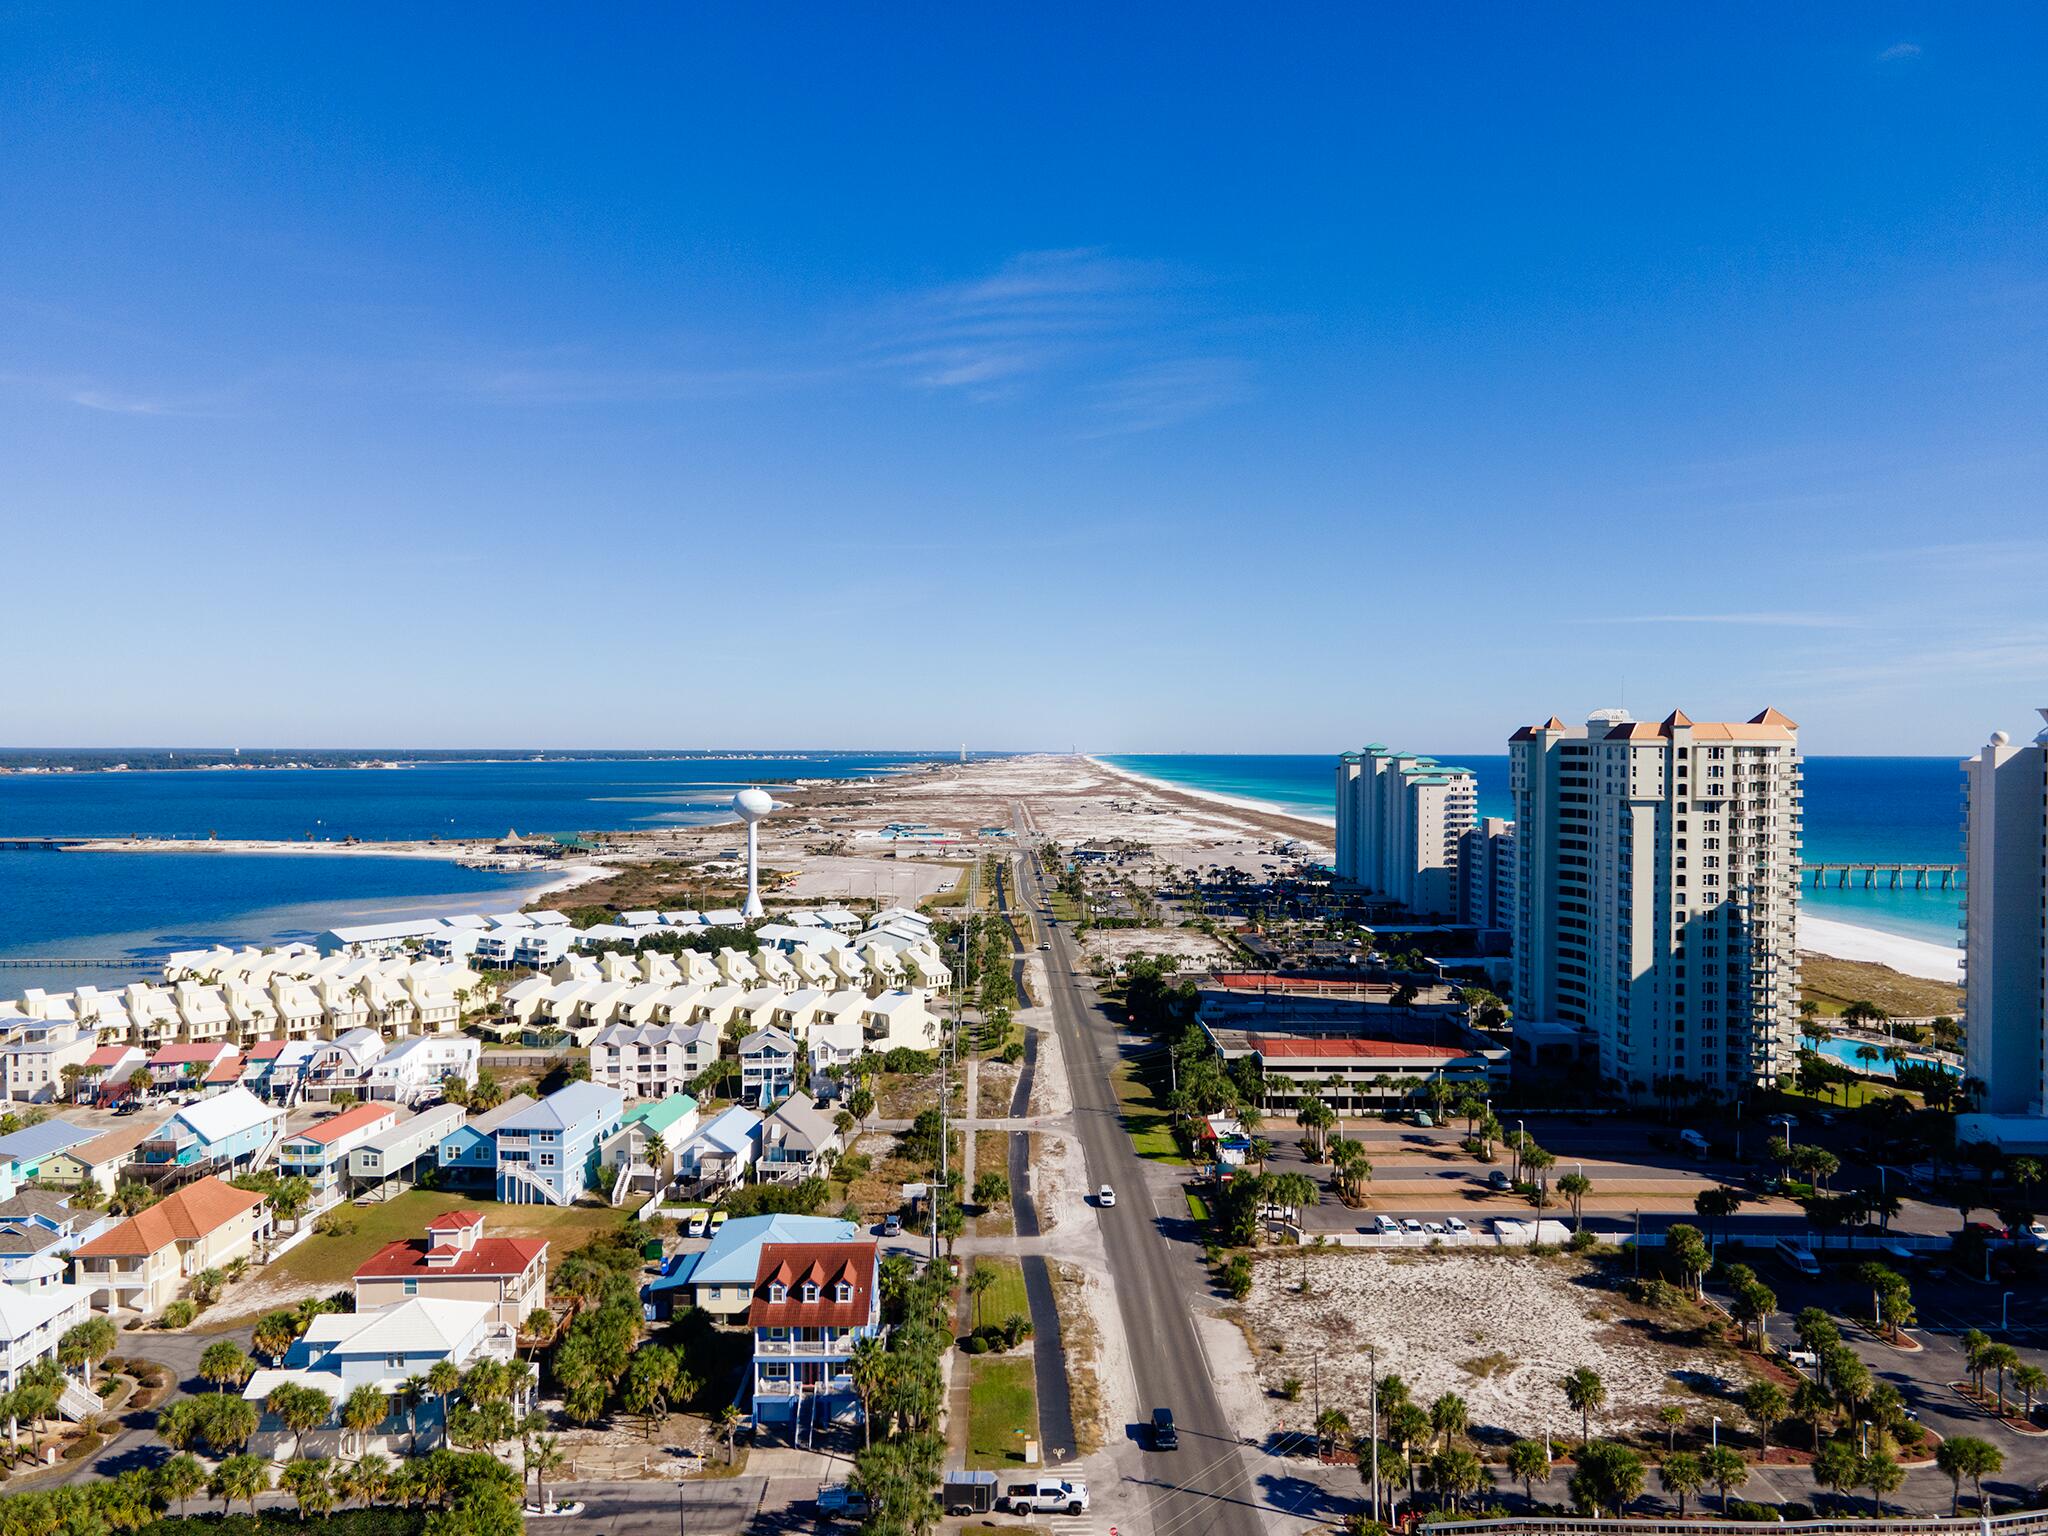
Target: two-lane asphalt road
{"type": "Point", "coordinates": [1208, 1485]}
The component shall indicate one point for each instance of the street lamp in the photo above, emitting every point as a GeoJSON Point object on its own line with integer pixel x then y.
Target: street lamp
{"type": "Point", "coordinates": [1717, 1432]}
{"type": "Point", "coordinates": [2005, 1312]}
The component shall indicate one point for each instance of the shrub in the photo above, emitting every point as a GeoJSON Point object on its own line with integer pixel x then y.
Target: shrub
{"type": "Point", "coordinates": [1290, 1389]}
{"type": "Point", "coordinates": [1013, 1052]}
{"type": "Point", "coordinates": [85, 1445]}
{"type": "Point", "coordinates": [976, 1345]}
{"type": "Point", "coordinates": [1237, 1277]}
{"type": "Point", "coordinates": [1795, 1511]}
{"type": "Point", "coordinates": [340, 1222]}
{"type": "Point", "coordinates": [1746, 1509]}
{"type": "Point", "coordinates": [179, 1314]}
{"type": "Point", "coordinates": [1581, 1240]}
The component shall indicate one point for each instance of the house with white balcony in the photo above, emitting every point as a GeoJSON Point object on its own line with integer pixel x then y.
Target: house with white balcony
{"type": "Point", "coordinates": [796, 1138]}
{"type": "Point", "coordinates": [152, 1017]}
{"type": "Point", "coordinates": [652, 1061]}
{"type": "Point", "coordinates": [718, 1153]}
{"type": "Point", "coordinates": [737, 967]}
{"type": "Point", "coordinates": [468, 1155]}
{"type": "Point", "coordinates": [299, 1014]}
{"type": "Point", "coordinates": [338, 1065]}
{"type": "Point", "coordinates": [414, 1070]}
{"type": "Point", "coordinates": [32, 1321]}
{"type": "Point", "coordinates": [812, 1302]}
{"type": "Point", "coordinates": [186, 1066]}
{"type": "Point", "coordinates": [228, 1130]}
{"type": "Point", "coordinates": [899, 1019]}
{"type": "Point", "coordinates": [251, 1012]}
{"type": "Point", "coordinates": [319, 1153]}
{"type": "Point", "coordinates": [390, 1161]}
{"type": "Point", "coordinates": [547, 1154]}
{"type": "Point", "coordinates": [104, 1074]}
{"type": "Point", "coordinates": [33, 1061]}
{"type": "Point", "coordinates": [141, 1265]}
{"type": "Point", "coordinates": [768, 1065]}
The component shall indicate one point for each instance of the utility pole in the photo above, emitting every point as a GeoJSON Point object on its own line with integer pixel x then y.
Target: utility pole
{"type": "Point", "coordinates": [1372, 1356]}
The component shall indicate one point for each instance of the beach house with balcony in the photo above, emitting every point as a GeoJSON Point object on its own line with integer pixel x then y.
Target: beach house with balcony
{"type": "Point", "coordinates": [341, 1351]}
{"type": "Point", "coordinates": [812, 1302]}
{"type": "Point", "coordinates": [718, 1153]}
{"type": "Point", "coordinates": [338, 1065]}
{"type": "Point", "coordinates": [547, 1153]}
{"type": "Point", "coordinates": [720, 1277]}
{"type": "Point", "coordinates": [228, 1130]}
{"type": "Point", "coordinates": [630, 1149]}
{"type": "Point", "coordinates": [768, 1063]}
{"type": "Point", "coordinates": [103, 1075]}
{"type": "Point", "coordinates": [468, 1155]}
{"type": "Point", "coordinates": [796, 1136]}
{"type": "Point", "coordinates": [652, 1061]}
{"type": "Point", "coordinates": [33, 1060]}
{"type": "Point", "coordinates": [390, 1161]}
{"type": "Point", "coordinates": [32, 1321]}
{"type": "Point", "coordinates": [899, 1019]}
{"type": "Point", "coordinates": [142, 1264]}
{"type": "Point", "coordinates": [185, 1065]}
{"type": "Point", "coordinates": [319, 1153]}
{"type": "Point", "coordinates": [23, 1153]}
{"type": "Point", "coordinates": [456, 1261]}
{"type": "Point", "coordinates": [414, 1070]}
{"type": "Point", "coordinates": [99, 1162]}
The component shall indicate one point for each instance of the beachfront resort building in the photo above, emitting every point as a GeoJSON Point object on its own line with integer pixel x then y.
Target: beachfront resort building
{"type": "Point", "coordinates": [1399, 819]}
{"type": "Point", "coordinates": [2006, 943]}
{"type": "Point", "coordinates": [1657, 893]}
{"type": "Point", "coordinates": [1486, 874]}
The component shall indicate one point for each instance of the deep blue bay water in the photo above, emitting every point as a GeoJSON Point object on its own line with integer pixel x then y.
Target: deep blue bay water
{"type": "Point", "coordinates": [143, 905]}
{"type": "Point", "coordinates": [1867, 809]}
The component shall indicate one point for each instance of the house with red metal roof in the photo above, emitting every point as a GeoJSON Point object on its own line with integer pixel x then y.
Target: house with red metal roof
{"type": "Point", "coordinates": [320, 1152]}
{"type": "Point", "coordinates": [812, 1303]}
{"type": "Point", "coordinates": [455, 1261]}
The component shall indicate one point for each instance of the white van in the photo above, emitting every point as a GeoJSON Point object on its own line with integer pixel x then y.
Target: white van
{"type": "Point", "coordinates": [1693, 1142]}
{"type": "Point", "coordinates": [1799, 1258]}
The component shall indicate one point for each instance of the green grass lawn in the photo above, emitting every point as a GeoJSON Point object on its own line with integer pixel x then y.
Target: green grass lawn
{"type": "Point", "coordinates": [1002, 1412]}
{"type": "Point", "coordinates": [1145, 1118]}
{"type": "Point", "coordinates": [334, 1260]}
{"type": "Point", "coordinates": [1007, 1294]}
{"type": "Point", "coordinates": [1197, 1206]}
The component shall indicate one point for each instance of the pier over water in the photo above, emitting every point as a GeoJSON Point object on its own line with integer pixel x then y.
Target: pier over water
{"type": "Point", "coordinates": [1893, 877]}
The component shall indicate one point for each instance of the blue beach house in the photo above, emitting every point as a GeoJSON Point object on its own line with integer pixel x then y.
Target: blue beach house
{"type": "Point", "coordinates": [23, 1152]}
{"type": "Point", "coordinates": [548, 1153]}
{"type": "Point", "coordinates": [229, 1128]}
{"type": "Point", "coordinates": [468, 1155]}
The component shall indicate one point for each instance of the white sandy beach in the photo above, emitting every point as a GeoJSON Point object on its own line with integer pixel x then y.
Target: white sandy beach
{"type": "Point", "coordinates": [1237, 802]}
{"type": "Point", "coordinates": [1910, 957]}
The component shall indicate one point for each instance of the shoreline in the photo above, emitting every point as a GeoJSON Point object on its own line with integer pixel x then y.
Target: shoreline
{"type": "Point", "coordinates": [1214, 797]}
{"type": "Point", "coordinates": [1873, 946]}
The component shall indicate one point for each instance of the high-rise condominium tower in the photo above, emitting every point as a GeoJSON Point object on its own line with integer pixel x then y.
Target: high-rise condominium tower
{"type": "Point", "coordinates": [2005, 1005]}
{"type": "Point", "coordinates": [1399, 818]}
{"type": "Point", "coordinates": [1657, 888]}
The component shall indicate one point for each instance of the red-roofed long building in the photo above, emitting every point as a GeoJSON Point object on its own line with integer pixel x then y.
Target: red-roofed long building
{"type": "Point", "coordinates": [1657, 895]}
{"type": "Point", "coordinates": [456, 1262]}
{"type": "Point", "coordinates": [812, 1303]}
{"type": "Point", "coordinates": [320, 1152]}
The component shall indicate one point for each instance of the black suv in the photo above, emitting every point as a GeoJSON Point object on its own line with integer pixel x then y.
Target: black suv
{"type": "Point", "coordinates": [1164, 1436]}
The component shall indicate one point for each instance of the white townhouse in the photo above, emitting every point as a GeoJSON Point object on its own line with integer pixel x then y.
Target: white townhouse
{"type": "Point", "coordinates": [33, 1061]}
{"type": "Point", "coordinates": [899, 1019]}
{"type": "Point", "coordinates": [652, 1061]}
{"type": "Point", "coordinates": [32, 1321]}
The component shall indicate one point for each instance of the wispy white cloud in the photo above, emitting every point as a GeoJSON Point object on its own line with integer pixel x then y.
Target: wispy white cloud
{"type": "Point", "coordinates": [92, 396]}
{"type": "Point", "coordinates": [1765, 620]}
{"type": "Point", "coordinates": [1901, 51]}
{"type": "Point", "coordinates": [1119, 334]}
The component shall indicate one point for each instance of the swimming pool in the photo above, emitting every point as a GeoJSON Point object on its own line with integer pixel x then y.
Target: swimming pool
{"type": "Point", "coordinates": [1845, 1051]}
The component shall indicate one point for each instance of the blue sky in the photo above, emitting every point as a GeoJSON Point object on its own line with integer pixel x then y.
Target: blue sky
{"type": "Point", "coordinates": [1142, 378]}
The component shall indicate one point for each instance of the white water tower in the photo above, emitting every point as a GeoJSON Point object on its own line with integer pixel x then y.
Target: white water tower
{"type": "Point", "coordinates": [751, 805]}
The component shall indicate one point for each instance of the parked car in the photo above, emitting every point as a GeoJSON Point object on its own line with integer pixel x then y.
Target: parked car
{"type": "Point", "coordinates": [1498, 1179]}
{"type": "Point", "coordinates": [717, 1223]}
{"type": "Point", "coordinates": [695, 1223]}
{"type": "Point", "coordinates": [1047, 1496]}
{"type": "Point", "coordinates": [892, 1225]}
{"type": "Point", "coordinates": [1164, 1436]}
{"type": "Point", "coordinates": [837, 1501]}
{"type": "Point", "coordinates": [1411, 1226]}
{"type": "Point", "coordinates": [1434, 1229]}
{"type": "Point", "coordinates": [1805, 1359]}
{"type": "Point", "coordinates": [1387, 1226]}
{"type": "Point", "coordinates": [1105, 1196]}
{"type": "Point", "coordinates": [1456, 1225]}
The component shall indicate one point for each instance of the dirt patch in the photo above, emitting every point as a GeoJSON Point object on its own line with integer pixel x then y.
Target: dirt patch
{"type": "Point", "coordinates": [1076, 1294]}
{"type": "Point", "coordinates": [1500, 1330]}
{"type": "Point", "coordinates": [995, 1082]}
{"type": "Point", "coordinates": [1113, 946]}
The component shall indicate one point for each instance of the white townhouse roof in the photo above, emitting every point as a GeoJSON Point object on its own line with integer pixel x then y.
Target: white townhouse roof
{"type": "Point", "coordinates": [725, 917]}
{"type": "Point", "coordinates": [683, 919]}
{"type": "Point", "coordinates": [24, 1310]}
{"type": "Point", "coordinates": [547, 919]}
{"type": "Point", "coordinates": [504, 920]}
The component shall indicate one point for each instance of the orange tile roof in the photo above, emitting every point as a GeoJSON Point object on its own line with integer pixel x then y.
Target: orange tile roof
{"type": "Point", "coordinates": [199, 1208]}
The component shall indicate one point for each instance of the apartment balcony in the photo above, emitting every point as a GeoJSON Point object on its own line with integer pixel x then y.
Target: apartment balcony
{"type": "Point", "coordinates": [802, 1349]}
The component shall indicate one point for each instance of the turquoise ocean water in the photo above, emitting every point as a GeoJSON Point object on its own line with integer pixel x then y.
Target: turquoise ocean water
{"type": "Point", "coordinates": [139, 906]}
{"type": "Point", "coordinates": [1867, 809]}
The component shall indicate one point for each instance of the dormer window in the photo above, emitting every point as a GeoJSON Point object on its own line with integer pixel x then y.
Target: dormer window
{"type": "Point", "coordinates": [842, 1292]}
{"type": "Point", "coordinates": [778, 1292]}
{"type": "Point", "coordinates": [810, 1291]}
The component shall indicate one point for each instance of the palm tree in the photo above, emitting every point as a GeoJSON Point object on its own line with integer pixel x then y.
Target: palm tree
{"type": "Point", "coordinates": [241, 1476]}
{"type": "Point", "coordinates": [1881, 1474]}
{"type": "Point", "coordinates": [1575, 1187]}
{"type": "Point", "coordinates": [179, 1478]}
{"type": "Point", "coordinates": [300, 1409]}
{"type": "Point", "coordinates": [367, 1479]}
{"type": "Point", "coordinates": [224, 1365]}
{"type": "Point", "coordinates": [275, 1333]}
{"type": "Point", "coordinates": [1584, 1391]}
{"type": "Point", "coordinates": [728, 1422]}
{"type": "Point", "coordinates": [1681, 1475]}
{"type": "Point", "coordinates": [442, 1379]}
{"type": "Point", "coordinates": [411, 1393]}
{"type": "Point", "coordinates": [2029, 1380]}
{"type": "Point", "coordinates": [1448, 1417]}
{"type": "Point", "coordinates": [544, 1460]}
{"type": "Point", "coordinates": [979, 1279]}
{"type": "Point", "coordinates": [1528, 1461]}
{"type": "Point", "coordinates": [1333, 1425]}
{"type": "Point", "coordinates": [1726, 1469]}
{"type": "Point", "coordinates": [310, 1486]}
{"type": "Point", "coordinates": [1672, 1417]}
{"type": "Point", "coordinates": [362, 1411]}
{"type": "Point", "coordinates": [869, 1366]}
{"type": "Point", "coordinates": [1962, 1456]}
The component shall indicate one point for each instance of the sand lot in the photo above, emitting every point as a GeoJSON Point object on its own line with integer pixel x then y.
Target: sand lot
{"type": "Point", "coordinates": [1116, 945]}
{"type": "Point", "coordinates": [1498, 1330]}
